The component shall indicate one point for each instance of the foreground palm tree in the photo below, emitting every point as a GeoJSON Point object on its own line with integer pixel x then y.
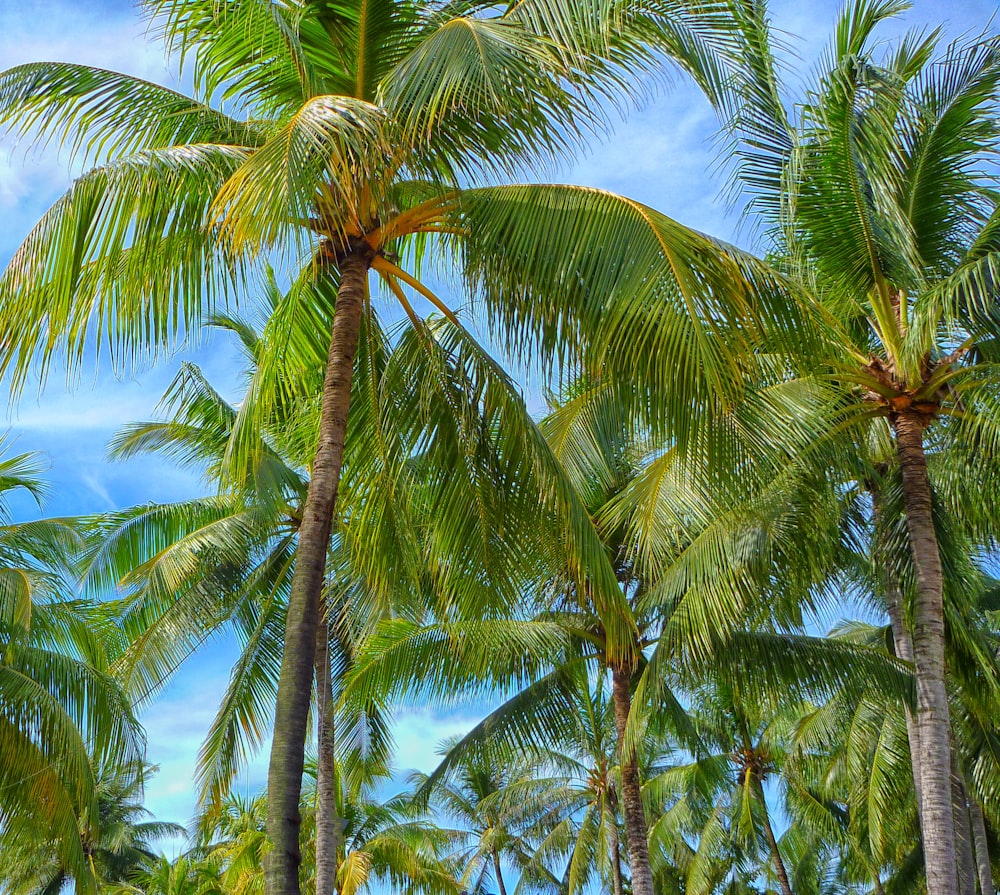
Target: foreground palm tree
{"type": "Point", "coordinates": [360, 122]}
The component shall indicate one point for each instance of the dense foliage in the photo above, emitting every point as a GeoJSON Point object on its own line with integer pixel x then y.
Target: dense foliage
{"type": "Point", "coordinates": [735, 445]}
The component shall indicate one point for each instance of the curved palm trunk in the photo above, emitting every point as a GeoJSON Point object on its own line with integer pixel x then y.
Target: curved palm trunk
{"type": "Point", "coordinates": [933, 717]}
{"type": "Point", "coordinates": [635, 817]}
{"type": "Point", "coordinates": [983, 868]}
{"type": "Point", "coordinates": [284, 776]}
{"type": "Point", "coordinates": [499, 874]}
{"type": "Point", "coordinates": [772, 842]}
{"type": "Point", "coordinates": [902, 642]}
{"type": "Point", "coordinates": [328, 822]}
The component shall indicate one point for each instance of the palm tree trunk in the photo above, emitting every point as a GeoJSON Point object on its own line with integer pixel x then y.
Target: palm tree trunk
{"type": "Point", "coordinates": [499, 874]}
{"type": "Point", "coordinates": [933, 717]}
{"type": "Point", "coordinates": [329, 828]}
{"type": "Point", "coordinates": [616, 858]}
{"type": "Point", "coordinates": [772, 842]}
{"type": "Point", "coordinates": [635, 817]}
{"type": "Point", "coordinates": [983, 867]}
{"type": "Point", "coordinates": [901, 639]}
{"type": "Point", "coordinates": [963, 831]}
{"type": "Point", "coordinates": [284, 777]}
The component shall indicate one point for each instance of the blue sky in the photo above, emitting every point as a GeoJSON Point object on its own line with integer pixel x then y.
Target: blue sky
{"type": "Point", "coordinates": [662, 156]}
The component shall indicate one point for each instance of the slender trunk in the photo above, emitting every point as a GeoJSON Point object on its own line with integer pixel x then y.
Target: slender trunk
{"type": "Point", "coordinates": [902, 641]}
{"type": "Point", "coordinates": [284, 777]}
{"type": "Point", "coordinates": [963, 831]}
{"type": "Point", "coordinates": [329, 828]}
{"type": "Point", "coordinates": [499, 874]}
{"type": "Point", "coordinates": [772, 842]}
{"type": "Point", "coordinates": [879, 888]}
{"type": "Point", "coordinates": [635, 817]}
{"type": "Point", "coordinates": [983, 867]}
{"type": "Point", "coordinates": [933, 717]}
{"type": "Point", "coordinates": [616, 857]}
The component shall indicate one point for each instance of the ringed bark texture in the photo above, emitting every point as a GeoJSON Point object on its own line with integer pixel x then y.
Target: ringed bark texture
{"type": "Point", "coordinates": [933, 716]}
{"type": "Point", "coordinates": [983, 868]}
{"type": "Point", "coordinates": [635, 817]}
{"type": "Point", "coordinates": [901, 637]}
{"type": "Point", "coordinates": [616, 857]}
{"type": "Point", "coordinates": [284, 777]}
{"type": "Point", "coordinates": [772, 842]}
{"type": "Point", "coordinates": [329, 827]}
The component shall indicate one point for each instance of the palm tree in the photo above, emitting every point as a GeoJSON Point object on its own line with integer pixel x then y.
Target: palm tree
{"type": "Point", "coordinates": [61, 714]}
{"type": "Point", "coordinates": [182, 876]}
{"type": "Point", "coordinates": [119, 842]}
{"type": "Point", "coordinates": [359, 124]}
{"type": "Point", "coordinates": [720, 795]}
{"type": "Point", "coordinates": [881, 208]}
{"type": "Point", "coordinates": [706, 583]}
{"type": "Point", "coordinates": [187, 570]}
{"type": "Point", "coordinates": [480, 792]}
{"type": "Point", "coordinates": [381, 842]}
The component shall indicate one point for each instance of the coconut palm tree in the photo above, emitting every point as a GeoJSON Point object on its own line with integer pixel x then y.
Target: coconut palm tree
{"type": "Point", "coordinates": [706, 583]}
{"type": "Point", "coordinates": [877, 199]}
{"type": "Point", "coordinates": [721, 793]}
{"type": "Point", "coordinates": [350, 129]}
{"type": "Point", "coordinates": [382, 841]}
{"type": "Point", "coordinates": [61, 714]}
{"type": "Point", "coordinates": [881, 207]}
{"type": "Point", "coordinates": [119, 842]}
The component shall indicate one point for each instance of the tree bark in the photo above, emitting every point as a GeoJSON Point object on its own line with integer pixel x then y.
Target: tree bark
{"type": "Point", "coordinates": [329, 828]}
{"type": "Point", "coordinates": [983, 867]}
{"type": "Point", "coordinates": [933, 716]}
{"type": "Point", "coordinates": [616, 857]}
{"type": "Point", "coordinates": [772, 842]}
{"type": "Point", "coordinates": [963, 831]}
{"type": "Point", "coordinates": [902, 641]}
{"type": "Point", "coordinates": [284, 777]}
{"type": "Point", "coordinates": [635, 817]}
{"type": "Point", "coordinates": [499, 874]}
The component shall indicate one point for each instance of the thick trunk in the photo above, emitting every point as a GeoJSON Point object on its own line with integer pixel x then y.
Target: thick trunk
{"type": "Point", "coordinates": [933, 717]}
{"type": "Point", "coordinates": [631, 796]}
{"type": "Point", "coordinates": [501, 888]}
{"type": "Point", "coordinates": [983, 868]}
{"type": "Point", "coordinates": [284, 777]}
{"type": "Point", "coordinates": [616, 857]}
{"type": "Point", "coordinates": [963, 832]}
{"type": "Point", "coordinates": [772, 842]}
{"type": "Point", "coordinates": [902, 641]}
{"type": "Point", "coordinates": [329, 828]}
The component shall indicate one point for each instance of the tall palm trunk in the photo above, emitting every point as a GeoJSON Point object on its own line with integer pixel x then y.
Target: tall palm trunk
{"type": "Point", "coordinates": [963, 830]}
{"type": "Point", "coordinates": [635, 817]}
{"type": "Point", "coordinates": [284, 776]}
{"type": "Point", "coordinates": [901, 638]}
{"type": "Point", "coordinates": [933, 717]}
{"type": "Point", "coordinates": [983, 868]}
{"type": "Point", "coordinates": [772, 841]}
{"type": "Point", "coordinates": [616, 857]}
{"type": "Point", "coordinates": [329, 828]}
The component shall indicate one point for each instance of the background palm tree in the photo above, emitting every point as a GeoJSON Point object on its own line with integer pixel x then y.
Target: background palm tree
{"type": "Point", "coordinates": [62, 716]}
{"type": "Point", "coordinates": [120, 843]}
